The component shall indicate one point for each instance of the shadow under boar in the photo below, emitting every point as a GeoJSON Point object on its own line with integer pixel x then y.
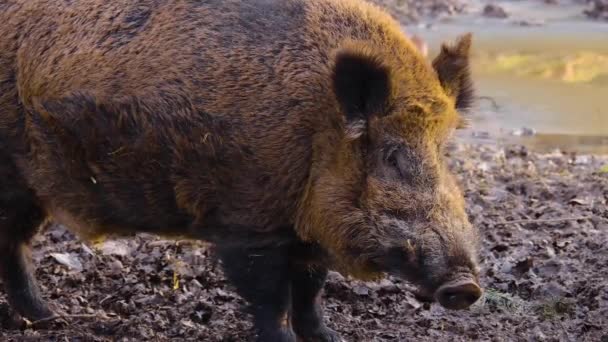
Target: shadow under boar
{"type": "Point", "coordinates": [295, 135]}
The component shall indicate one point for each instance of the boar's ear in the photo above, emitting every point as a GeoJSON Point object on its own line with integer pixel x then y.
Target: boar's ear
{"type": "Point", "coordinates": [452, 66]}
{"type": "Point", "coordinates": [361, 84]}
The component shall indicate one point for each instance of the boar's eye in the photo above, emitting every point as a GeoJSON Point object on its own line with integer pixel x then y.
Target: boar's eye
{"type": "Point", "coordinates": [403, 164]}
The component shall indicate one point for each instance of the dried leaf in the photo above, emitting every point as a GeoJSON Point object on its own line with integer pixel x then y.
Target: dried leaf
{"type": "Point", "coordinates": [188, 323]}
{"type": "Point", "coordinates": [114, 247]}
{"type": "Point", "coordinates": [175, 281]}
{"type": "Point", "coordinates": [413, 302]}
{"type": "Point", "coordinates": [68, 260]}
{"type": "Point", "coordinates": [578, 201]}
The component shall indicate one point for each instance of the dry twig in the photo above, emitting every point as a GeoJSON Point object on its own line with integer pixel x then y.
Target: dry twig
{"type": "Point", "coordinates": [553, 220]}
{"type": "Point", "coordinates": [495, 104]}
{"type": "Point", "coordinates": [61, 318]}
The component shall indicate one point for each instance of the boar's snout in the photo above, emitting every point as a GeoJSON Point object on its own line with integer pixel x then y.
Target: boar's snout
{"type": "Point", "coordinates": [458, 294]}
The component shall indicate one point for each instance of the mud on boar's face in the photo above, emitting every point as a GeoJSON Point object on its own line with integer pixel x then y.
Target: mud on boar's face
{"type": "Point", "coordinates": [381, 199]}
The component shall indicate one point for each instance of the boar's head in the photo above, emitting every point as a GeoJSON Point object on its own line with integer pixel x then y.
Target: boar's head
{"type": "Point", "coordinates": [380, 197]}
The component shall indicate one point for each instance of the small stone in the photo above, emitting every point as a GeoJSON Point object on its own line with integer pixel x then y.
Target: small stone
{"type": "Point", "coordinates": [494, 11]}
{"type": "Point", "coordinates": [361, 290]}
{"type": "Point", "coordinates": [523, 132]}
{"type": "Point", "coordinates": [529, 22]}
{"type": "Point", "coordinates": [481, 134]}
{"type": "Point", "coordinates": [116, 266]}
{"type": "Point", "coordinates": [581, 160]}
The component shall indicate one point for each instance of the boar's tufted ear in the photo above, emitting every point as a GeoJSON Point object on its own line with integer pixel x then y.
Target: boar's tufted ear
{"type": "Point", "coordinates": [452, 66]}
{"type": "Point", "coordinates": [361, 84]}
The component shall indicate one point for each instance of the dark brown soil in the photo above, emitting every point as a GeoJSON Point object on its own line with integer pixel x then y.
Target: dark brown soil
{"type": "Point", "coordinates": [544, 222]}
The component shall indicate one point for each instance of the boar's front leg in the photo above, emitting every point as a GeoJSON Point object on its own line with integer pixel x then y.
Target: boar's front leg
{"type": "Point", "coordinates": [261, 277]}
{"type": "Point", "coordinates": [19, 220]}
{"type": "Point", "coordinates": [307, 314]}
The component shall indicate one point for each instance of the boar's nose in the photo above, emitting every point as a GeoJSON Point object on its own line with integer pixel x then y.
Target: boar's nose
{"type": "Point", "coordinates": [457, 295]}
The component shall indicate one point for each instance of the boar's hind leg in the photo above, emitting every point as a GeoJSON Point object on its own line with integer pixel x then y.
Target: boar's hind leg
{"type": "Point", "coordinates": [307, 314]}
{"type": "Point", "coordinates": [261, 277]}
{"type": "Point", "coordinates": [19, 220]}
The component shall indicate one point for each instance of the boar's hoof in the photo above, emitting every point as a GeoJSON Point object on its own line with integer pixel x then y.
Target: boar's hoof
{"type": "Point", "coordinates": [323, 334]}
{"type": "Point", "coordinates": [458, 295]}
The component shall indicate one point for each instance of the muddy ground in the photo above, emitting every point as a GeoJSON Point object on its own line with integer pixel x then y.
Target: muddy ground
{"type": "Point", "coordinates": [544, 222]}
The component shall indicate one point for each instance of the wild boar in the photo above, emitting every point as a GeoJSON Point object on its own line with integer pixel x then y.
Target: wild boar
{"type": "Point", "coordinates": [297, 135]}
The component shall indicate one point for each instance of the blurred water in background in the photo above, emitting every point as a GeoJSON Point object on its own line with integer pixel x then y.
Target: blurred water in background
{"type": "Point", "coordinates": [542, 75]}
